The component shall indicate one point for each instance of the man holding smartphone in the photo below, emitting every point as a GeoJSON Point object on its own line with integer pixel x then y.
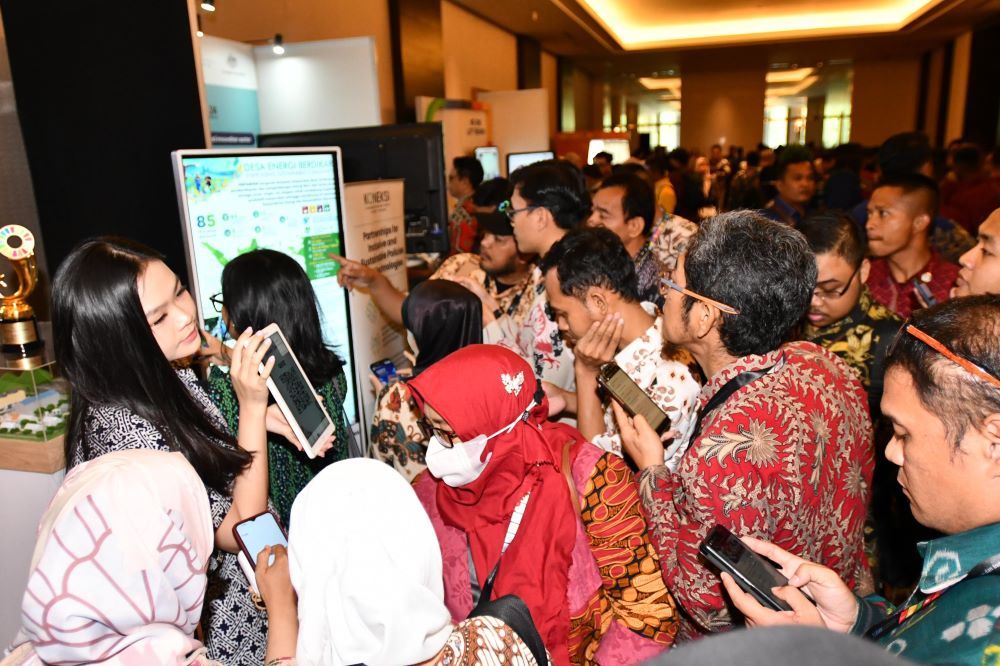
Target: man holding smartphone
{"type": "Point", "coordinates": [942, 394]}
{"type": "Point", "coordinates": [783, 444]}
{"type": "Point", "coordinates": [592, 289]}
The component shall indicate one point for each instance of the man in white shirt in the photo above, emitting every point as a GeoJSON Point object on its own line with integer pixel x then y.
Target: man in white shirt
{"type": "Point", "coordinates": [592, 289]}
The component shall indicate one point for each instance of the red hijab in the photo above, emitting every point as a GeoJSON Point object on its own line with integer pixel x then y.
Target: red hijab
{"type": "Point", "coordinates": [479, 390]}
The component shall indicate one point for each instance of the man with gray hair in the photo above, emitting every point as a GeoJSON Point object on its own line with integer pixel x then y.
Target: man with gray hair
{"type": "Point", "coordinates": [782, 448]}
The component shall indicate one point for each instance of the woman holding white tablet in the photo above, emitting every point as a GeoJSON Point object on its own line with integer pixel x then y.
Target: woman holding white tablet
{"type": "Point", "coordinates": [125, 330]}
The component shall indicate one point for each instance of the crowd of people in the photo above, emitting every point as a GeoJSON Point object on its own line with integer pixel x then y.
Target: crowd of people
{"type": "Point", "coordinates": [821, 333]}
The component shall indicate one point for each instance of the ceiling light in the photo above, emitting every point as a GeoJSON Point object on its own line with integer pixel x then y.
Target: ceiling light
{"type": "Point", "coordinates": [650, 83]}
{"type": "Point", "coordinates": [789, 76]}
{"type": "Point", "coordinates": [208, 5]}
{"type": "Point", "coordinates": [278, 48]}
{"type": "Point", "coordinates": [199, 32]}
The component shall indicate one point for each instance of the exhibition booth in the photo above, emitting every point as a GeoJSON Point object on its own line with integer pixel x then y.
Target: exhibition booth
{"type": "Point", "coordinates": [299, 163]}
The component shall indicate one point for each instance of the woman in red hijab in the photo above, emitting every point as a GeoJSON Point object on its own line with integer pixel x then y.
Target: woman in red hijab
{"type": "Point", "coordinates": [544, 514]}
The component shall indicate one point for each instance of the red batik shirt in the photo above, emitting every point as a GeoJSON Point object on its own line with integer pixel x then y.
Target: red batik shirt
{"type": "Point", "coordinates": [787, 458]}
{"type": "Point", "coordinates": [939, 275]}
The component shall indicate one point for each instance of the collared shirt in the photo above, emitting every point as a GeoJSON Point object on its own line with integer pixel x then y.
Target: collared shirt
{"type": "Point", "coordinates": [963, 624]}
{"type": "Point", "coordinates": [900, 297]}
{"type": "Point", "coordinates": [861, 340]}
{"type": "Point", "coordinates": [462, 226]}
{"type": "Point", "coordinates": [515, 300]}
{"type": "Point", "coordinates": [786, 458]}
{"type": "Point", "coordinates": [780, 210]}
{"type": "Point", "coordinates": [670, 383]}
{"type": "Point", "coordinates": [536, 339]}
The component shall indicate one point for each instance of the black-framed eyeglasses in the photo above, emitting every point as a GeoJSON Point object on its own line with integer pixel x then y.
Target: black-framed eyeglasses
{"type": "Point", "coordinates": [507, 208]}
{"type": "Point", "coordinates": [830, 294]}
{"type": "Point", "coordinates": [428, 430]}
{"type": "Point", "coordinates": [216, 301]}
{"type": "Point", "coordinates": [977, 368]}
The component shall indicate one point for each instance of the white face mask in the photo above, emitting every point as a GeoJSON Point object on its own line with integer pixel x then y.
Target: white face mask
{"type": "Point", "coordinates": [460, 464]}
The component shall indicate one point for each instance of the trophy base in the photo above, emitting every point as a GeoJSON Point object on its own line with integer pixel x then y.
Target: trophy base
{"type": "Point", "coordinates": [20, 344]}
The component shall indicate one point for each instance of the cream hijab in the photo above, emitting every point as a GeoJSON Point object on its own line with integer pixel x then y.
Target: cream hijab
{"type": "Point", "coordinates": [118, 571]}
{"type": "Point", "coordinates": [366, 565]}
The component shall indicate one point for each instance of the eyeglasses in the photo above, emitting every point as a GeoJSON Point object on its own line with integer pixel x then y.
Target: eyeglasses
{"type": "Point", "coordinates": [428, 430]}
{"type": "Point", "coordinates": [966, 363]}
{"type": "Point", "coordinates": [670, 284]}
{"type": "Point", "coordinates": [216, 301]}
{"type": "Point", "coordinates": [830, 294]}
{"type": "Point", "coordinates": [507, 208]}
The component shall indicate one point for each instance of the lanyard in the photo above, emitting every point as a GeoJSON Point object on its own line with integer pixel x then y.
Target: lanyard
{"type": "Point", "coordinates": [988, 567]}
{"type": "Point", "coordinates": [729, 388]}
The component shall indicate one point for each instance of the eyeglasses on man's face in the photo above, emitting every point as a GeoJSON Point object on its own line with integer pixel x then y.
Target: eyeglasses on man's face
{"type": "Point", "coordinates": [667, 283]}
{"type": "Point", "coordinates": [833, 294]}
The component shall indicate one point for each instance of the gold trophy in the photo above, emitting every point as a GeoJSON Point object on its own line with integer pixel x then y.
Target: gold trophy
{"type": "Point", "coordinates": [18, 327]}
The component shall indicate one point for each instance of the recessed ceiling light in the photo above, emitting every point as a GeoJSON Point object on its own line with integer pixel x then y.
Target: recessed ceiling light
{"type": "Point", "coordinates": [208, 5]}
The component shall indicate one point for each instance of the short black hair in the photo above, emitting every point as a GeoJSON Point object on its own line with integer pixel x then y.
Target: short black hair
{"type": "Point", "coordinates": [753, 158]}
{"type": "Point", "coordinates": [911, 183]}
{"type": "Point", "coordinates": [592, 171]}
{"type": "Point", "coordinates": [680, 155]}
{"type": "Point", "coordinates": [763, 268]}
{"type": "Point", "coordinates": [555, 186]}
{"type": "Point", "coordinates": [904, 153]}
{"type": "Point", "coordinates": [638, 199]}
{"type": "Point", "coordinates": [970, 327]}
{"type": "Point", "coordinates": [836, 232]}
{"type": "Point", "coordinates": [633, 168]}
{"type": "Point", "coordinates": [592, 257]}
{"type": "Point", "coordinates": [793, 154]}
{"type": "Point", "coordinates": [605, 155]}
{"type": "Point", "coordinates": [469, 168]}
{"type": "Point", "coordinates": [492, 192]}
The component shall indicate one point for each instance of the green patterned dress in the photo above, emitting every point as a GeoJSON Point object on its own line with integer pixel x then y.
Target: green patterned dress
{"type": "Point", "coordinates": [289, 469]}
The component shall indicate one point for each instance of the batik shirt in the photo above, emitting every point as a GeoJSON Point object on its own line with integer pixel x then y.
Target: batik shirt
{"type": "Point", "coordinates": [786, 458]}
{"type": "Point", "coordinates": [659, 255]}
{"type": "Point", "coordinates": [462, 226]}
{"type": "Point", "coordinates": [484, 640]}
{"type": "Point", "coordinates": [515, 300]}
{"type": "Point", "coordinates": [962, 625]}
{"type": "Point", "coordinates": [669, 239]}
{"type": "Point", "coordinates": [536, 339]}
{"type": "Point", "coordinates": [395, 438]}
{"type": "Point", "coordinates": [861, 339]}
{"type": "Point", "coordinates": [938, 274]}
{"type": "Point", "coordinates": [671, 385]}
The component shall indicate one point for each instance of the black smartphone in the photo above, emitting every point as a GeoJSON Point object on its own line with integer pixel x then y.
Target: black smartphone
{"type": "Point", "coordinates": [754, 574]}
{"type": "Point", "coordinates": [385, 370]}
{"type": "Point", "coordinates": [628, 394]}
{"type": "Point", "coordinates": [925, 293]}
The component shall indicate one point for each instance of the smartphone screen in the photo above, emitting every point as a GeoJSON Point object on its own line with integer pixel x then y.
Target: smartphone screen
{"type": "Point", "coordinates": [752, 573]}
{"type": "Point", "coordinates": [635, 401]}
{"type": "Point", "coordinates": [384, 370]}
{"type": "Point", "coordinates": [258, 533]}
{"type": "Point", "coordinates": [295, 390]}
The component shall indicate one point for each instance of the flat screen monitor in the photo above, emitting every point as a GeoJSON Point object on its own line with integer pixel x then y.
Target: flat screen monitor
{"type": "Point", "coordinates": [289, 200]}
{"type": "Point", "coordinates": [489, 158]}
{"type": "Point", "coordinates": [517, 160]}
{"type": "Point", "coordinates": [619, 149]}
{"type": "Point", "coordinates": [411, 151]}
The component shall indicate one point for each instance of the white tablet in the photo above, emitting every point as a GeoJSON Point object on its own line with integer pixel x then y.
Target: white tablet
{"type": "Point", "coordinates": [294, 393]}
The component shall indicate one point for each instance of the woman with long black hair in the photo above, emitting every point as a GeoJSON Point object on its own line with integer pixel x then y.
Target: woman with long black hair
{"type": "Point", "coordinates": [263, 287]}
{"type": "Point", "coordinates": [124, 327]}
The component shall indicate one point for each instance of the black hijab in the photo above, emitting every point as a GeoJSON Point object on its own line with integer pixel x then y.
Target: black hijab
{"type": "Point", "coordinates": [443, 316]}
